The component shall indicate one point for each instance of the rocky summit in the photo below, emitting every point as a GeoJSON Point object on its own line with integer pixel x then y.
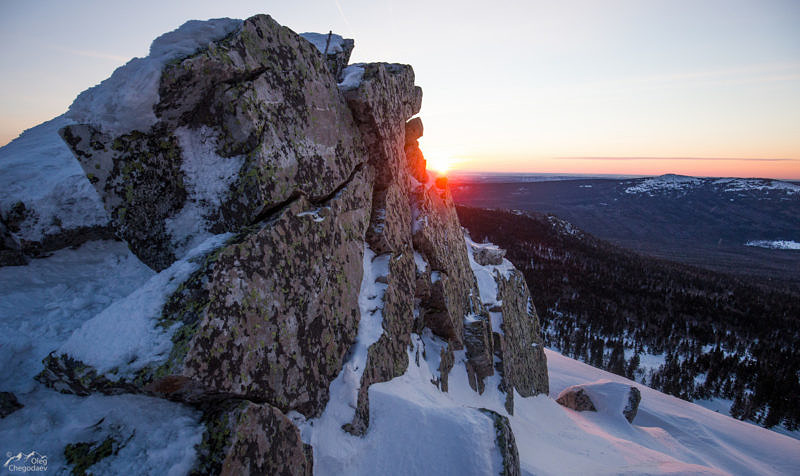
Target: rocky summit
{"type": "Point", "coordinates": [297, 245]}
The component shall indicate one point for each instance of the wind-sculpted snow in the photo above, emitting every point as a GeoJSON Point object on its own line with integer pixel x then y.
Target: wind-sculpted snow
{"type": "Point", "coordinates": [124, 102]}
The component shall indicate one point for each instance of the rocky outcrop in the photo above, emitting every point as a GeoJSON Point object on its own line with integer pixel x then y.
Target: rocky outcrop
{"type": "Point", "coordinates": [516, 342]}
{"type": "Point", "coordinates": [260, 191]}
{"type": "Point", "coordinates": [243, 126]}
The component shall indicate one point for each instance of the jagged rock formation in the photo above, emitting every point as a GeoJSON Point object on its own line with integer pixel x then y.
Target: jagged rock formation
{"type": "Point", "coordinates": [261, 187]}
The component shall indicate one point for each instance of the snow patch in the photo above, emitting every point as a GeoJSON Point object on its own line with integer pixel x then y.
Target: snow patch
{"type": "Point", "coordinates": [323, 44]}
{"type": "Point", "coordinates": [743, 185]}
{"type": "Point", "coordinates": [124, 102]}
{"type": "Point", "coordinates": [775, 244]}
{"type": "Point", "coordinates": [351, 77]}
{"type": "Point", "coordinates": [208, 181]}
{"type": "Point", "coordinates": [485, 275]}
{"type": "Point", "coordinates": [125, 337]}
{"type": "Point", "coordinates": [664, 183]}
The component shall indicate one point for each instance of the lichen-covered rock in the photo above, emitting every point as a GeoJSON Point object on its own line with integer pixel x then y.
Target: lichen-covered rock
{"type": "Point", "coordinates": [521, 350]}
{"type": "Point", "coordinates": [243, 438]}
{"type": "Point", "coordinates": [576, 399]}
{"type": "Point", "coordinates": [244, 125]}
{"type": "Point", "coordinates": [268, 317]}
{"type": "Point", "coordinates": [506, 443]}
{"type": "Point", "coordinates": [8, 404]}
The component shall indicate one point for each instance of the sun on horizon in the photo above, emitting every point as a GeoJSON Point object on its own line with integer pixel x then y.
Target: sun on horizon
{"type": "Point", "coordinates": [440, 164]}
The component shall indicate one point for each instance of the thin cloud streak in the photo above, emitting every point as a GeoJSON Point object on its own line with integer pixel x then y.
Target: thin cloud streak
{"type": "Point", "coordinates": [341, 12]}
{"type": "Point", "coordinates": [680, 158]}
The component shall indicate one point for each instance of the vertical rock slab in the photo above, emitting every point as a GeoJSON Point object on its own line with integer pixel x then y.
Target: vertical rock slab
{"type": "Point", "coordinates": [240, 127]}
{"type": "Point", "coordinates": [438, 237]}
{"type": "Point", "coordinates": [523, 364]}
{"type": "Point", "coordinates": [384, 99]}
{"type": "Point", "coordinates": [247, 438]}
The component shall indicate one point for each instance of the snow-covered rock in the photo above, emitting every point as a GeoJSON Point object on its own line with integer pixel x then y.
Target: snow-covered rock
{"type": "Point", "coordinates": [46, 201]}
{"type": "Point", "coordinates": [604, 396]}
{"type": "Point", "coordinates": [225, 122]}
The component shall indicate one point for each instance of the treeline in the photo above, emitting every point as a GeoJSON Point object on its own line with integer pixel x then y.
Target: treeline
{"type": "Point", "coordinates": [717, 335]}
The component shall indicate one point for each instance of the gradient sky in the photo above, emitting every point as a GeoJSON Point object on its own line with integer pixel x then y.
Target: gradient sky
{"type": "Point", "coordinates": [584, 86]}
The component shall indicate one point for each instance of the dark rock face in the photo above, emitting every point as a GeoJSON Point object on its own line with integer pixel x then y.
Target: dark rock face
{"type": "Point", "coordinates": [8, 404]}
{"type": "Point", "coordinates": [247, 438]}
{"type": "Point", "coordinates": [10, 251]}
{"type": "Point", "coordinates": [632, 406]}
{"type": "Point", "coordinates": [577, 399]}
{"type": "Point", "coordinates": [260, 104]}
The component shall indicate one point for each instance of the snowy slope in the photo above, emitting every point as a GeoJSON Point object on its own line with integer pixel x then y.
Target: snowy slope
{"type": "Point", "coordinates": [416, 429]}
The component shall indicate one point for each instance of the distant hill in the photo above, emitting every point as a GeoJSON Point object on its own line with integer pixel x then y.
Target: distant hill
{"type": "Point", "coordinates": [726, 224]}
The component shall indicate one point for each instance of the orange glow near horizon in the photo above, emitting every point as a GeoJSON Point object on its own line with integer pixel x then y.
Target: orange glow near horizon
{"type": "Point", "coordinates": [782, 168]}
{"type": "Point", "coordinates": [440, 164]}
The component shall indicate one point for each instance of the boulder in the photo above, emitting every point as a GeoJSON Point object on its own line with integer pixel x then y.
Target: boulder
{"type": "Point", "coordinates": [613, 398]}
{"type": "Point", "coordinates": [242, 126]}
{"type": "Point", "coordinates": [249, 438]}
{"type": "Point", "coordinates": [46, 203]}
{"type": "Point", "coordinates": [489, 255]}
{"type": "Point", "coordinates": [576, 399]}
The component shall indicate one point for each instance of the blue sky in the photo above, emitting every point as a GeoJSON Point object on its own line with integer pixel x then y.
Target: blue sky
{"type": "Point", "coordinates": [568, 86]}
